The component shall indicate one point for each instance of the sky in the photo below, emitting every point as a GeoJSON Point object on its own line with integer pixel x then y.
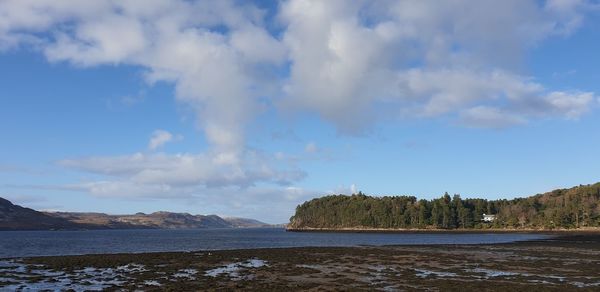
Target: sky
{"type": "Point", "coordinates": [249, 108]}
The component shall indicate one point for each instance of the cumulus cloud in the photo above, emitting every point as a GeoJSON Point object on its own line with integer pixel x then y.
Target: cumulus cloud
{"type": "Point", "coordinates": [354, 63]}
{"type": "Point", "coordinates": [209, 50]}
{"type": "Point", "coordinates": [346, 61]}
{"type": "Point", "coordinates": [425, 59]}
{"type": "Point", "coordinates": [160, 138]}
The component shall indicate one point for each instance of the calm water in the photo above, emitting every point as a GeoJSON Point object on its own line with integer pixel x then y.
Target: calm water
{"type": "Point", "coordinates": [38, 243]}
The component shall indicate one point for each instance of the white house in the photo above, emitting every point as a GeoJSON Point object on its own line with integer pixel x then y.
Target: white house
{"type": "Point", "coordinates": [488, 217]}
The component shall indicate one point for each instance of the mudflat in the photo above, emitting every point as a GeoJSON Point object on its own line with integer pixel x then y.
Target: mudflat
{"type": "Point", "coordinates": [564, 262]}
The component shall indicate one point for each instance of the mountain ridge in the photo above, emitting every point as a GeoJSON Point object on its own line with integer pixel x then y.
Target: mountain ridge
{"type": "Point", "coordinates": [15, 217]}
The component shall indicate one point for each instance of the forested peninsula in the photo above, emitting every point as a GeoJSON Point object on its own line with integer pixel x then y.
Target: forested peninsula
{"type": "Point", "coordinates": [574, 208]}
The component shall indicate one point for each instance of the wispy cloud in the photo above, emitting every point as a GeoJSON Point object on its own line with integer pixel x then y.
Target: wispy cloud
{"type": "Point", "coordinates": [10, 168]}
{"type": "Point", "coordinates": [311, 147]}
{"type": "Point", "coordinates": [161, 137]}
{"type": "Point", "coordinates": [166, 171]}
{"type": "Point", "coordinates": [251, 202]}
{"type": "Point", "coordinates": [489, 117]}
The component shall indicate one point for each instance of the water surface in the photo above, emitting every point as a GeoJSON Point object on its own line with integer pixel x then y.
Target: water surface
{"type": "Point", "coordinates": [44, 243]}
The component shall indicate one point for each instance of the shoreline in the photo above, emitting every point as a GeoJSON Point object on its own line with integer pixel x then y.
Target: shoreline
{"type": "Point", "coordinates": [445, 231]}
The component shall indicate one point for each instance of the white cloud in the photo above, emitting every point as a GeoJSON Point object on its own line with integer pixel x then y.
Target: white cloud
{"type": "Point", "coordinates": [162, 170]}
{"type": "Point", "coordinates": [350, 61]}
{"type": "Point", "coordinates": [160, 138]}
{"type": "Point", "coordinates": [354, 63]}
{"type": "Point", "coordinates": [489, 117]}
{"type": "Point", "coordinates": [311, 147]}
{"type": "Point", "coordinates": [208, 49]}
{"type": "Point", "coordinates": [346, 190]}
{"type": "Point", "coordinates": [567, 13]}
{"type": "Point", "coordinates": [249, 202]}
{"type": "Point", "coordinates": [109, 39]}
{"type": "Point", "coordinates": [353, 188]}
{"type": "Point", "coordinates": [488, 99]}
{"type": "Point", "coordinates": [347, 59]}
{"type": "Point", "coordinates": [572, 105]}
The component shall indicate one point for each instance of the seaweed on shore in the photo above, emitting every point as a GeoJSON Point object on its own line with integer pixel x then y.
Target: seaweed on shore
{"type": "Point", "coordinates": [566, 263]}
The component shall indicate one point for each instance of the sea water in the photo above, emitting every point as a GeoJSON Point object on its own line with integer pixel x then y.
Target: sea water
{"type": "Point", "coordinates": [46, 243]}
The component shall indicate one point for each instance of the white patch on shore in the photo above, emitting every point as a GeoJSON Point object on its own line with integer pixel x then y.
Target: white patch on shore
{"type": "Point", "coordinates": [561, 279]}
{"type": "Point", "coordinates": [186, 273]}
{"type": "Point", "coordinates": [232, 270]}
{"type": "Point", "coordinates": [422, 273]}
{"type": "Point", "coordinates": [86, 279]}
{"type": "Point", "coordinates": [494, 273]}
{"type": "Point", "coordinates": [376, 274]}
{"type": "Point", "coordinates": [152, 283]}
{"type": "Point", "coordinates": [131, 268]}
{"type": "Point", "coordinates": [584, 285]}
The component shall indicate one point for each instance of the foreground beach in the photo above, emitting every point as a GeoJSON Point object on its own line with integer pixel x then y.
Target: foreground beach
{"type": "Point", "coordinates": [566, 262]}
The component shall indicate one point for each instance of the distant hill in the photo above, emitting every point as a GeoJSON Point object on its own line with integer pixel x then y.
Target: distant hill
{"type": "Point", "coordinates": [160, 220]}
{"type": "Point", "coordinates": [245, 222]}
{"type": "Point", "coordinates": [577, 207]}
{"type": "Point", "coordinates": [14, 217]}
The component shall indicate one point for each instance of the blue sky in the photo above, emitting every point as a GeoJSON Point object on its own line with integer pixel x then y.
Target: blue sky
{"type": "Point", "coordinates": [250, 108]}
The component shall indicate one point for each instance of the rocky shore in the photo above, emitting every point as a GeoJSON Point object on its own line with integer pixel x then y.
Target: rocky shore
{"type": "Point", "coordinates": [567, 262]}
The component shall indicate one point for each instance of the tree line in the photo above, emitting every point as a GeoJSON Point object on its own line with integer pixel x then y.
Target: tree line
{"type": "Point", "coordinates": [564, 208]}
